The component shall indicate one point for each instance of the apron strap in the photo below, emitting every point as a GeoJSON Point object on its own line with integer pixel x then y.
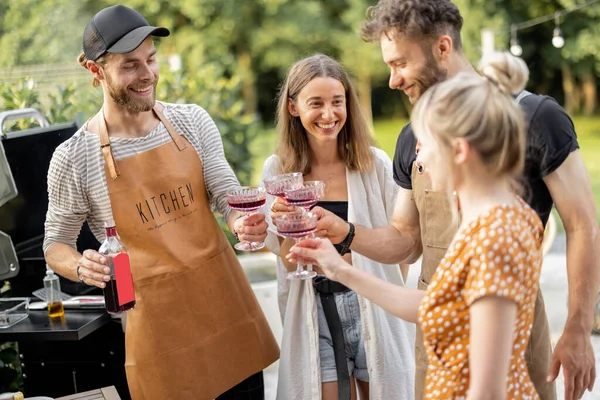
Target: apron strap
{"type": "Point", "coordinates": [107, 153]}
{"type": "Point", "coordinates": [326, 290]}
{"type": "Point", "coordinates": [177, 139]}
{"type": "Point", "coordinates": [106, 149]}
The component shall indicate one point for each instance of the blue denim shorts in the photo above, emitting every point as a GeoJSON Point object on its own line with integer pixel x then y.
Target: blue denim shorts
{"type": "Point", "coordinates": [349, 312]}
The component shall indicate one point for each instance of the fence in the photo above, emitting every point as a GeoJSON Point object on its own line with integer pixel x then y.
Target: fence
{"type": "Point", "coordinates": [46, 76]}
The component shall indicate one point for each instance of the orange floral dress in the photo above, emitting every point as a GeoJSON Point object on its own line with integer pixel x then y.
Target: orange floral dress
{"type": "Point", "coordinates": [497, 254]}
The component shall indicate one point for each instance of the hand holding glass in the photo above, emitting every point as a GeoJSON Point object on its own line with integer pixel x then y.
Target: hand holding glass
{"type": "Point", "coordinates": [297, 226]}
{"type": "Point", "coordinates": [247, 199]}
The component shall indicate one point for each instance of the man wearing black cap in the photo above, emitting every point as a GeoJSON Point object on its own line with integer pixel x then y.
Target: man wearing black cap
{"type": "Point", "coordinates": [156, 168]}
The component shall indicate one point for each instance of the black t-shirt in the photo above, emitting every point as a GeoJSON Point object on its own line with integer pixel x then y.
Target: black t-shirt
{"type": "Point", "coordinates": [550, 139]}
{"type": "Point", "coordinates": [339, 208]}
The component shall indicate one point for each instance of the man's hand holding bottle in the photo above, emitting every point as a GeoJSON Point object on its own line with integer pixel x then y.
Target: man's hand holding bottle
{"type": "Point", "coordinates": [93, 269]}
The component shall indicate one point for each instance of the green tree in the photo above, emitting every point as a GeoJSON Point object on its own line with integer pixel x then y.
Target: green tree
{"type": "Point", "coordinates": [19, 96]}
{"type": "Point", "coordinates": [364, 60]}
{"type": "Point", "coordinates": [580, 61]}
{"type": "Point", "coordinates": [568, 73]}
{"type": "Point", "coordinates": [40, 31]}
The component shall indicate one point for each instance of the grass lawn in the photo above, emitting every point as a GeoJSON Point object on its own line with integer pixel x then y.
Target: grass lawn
{"type": "Point", "coordinates": [386, 133]}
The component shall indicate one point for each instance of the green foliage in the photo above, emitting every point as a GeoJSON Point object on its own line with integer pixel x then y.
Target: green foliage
{"type": "Point", "coordinates": [581, 30]}
{"type": "Point", "coordinates": [11, 377]}
{"type": "Point", "coordinates": [63, 104]}
{"type": "Point", "coordinates": [40, 31]}
{"type": "Point", "coordinates": [219, 96]}
{"type": "Point", "coordinates": [73, 102]}
{"type": "Point", "coordinates": [67, 103]}
{"type": "Point", "coordinates": [16, 97]}
{"type": "Point", "coordinates": [256, 41]}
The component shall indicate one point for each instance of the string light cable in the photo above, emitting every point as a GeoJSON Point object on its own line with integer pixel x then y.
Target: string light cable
{"type": "Point", "coordinates": [558, 40]}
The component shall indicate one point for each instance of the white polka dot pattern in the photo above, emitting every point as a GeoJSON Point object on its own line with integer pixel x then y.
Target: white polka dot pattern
{"type": "Point", "coordinates": [498, 254]}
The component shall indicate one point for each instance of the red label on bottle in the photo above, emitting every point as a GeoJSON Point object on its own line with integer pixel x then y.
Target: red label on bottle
{"type": "Point", "coordinates": [123, 279]}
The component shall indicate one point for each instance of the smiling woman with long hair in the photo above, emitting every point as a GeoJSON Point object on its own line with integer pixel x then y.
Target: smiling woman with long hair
{"type": "Point", "coordinates": [323, 134]}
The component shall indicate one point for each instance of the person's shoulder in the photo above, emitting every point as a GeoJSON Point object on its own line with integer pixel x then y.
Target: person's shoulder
{"type": "Point", "coordinates": [407, 141]}
{"type": "Point", "coordinates": [193, 121]}
{"type": "Point", "coordinates": [381, 160]}
{"type": "Point", "coordinates": [507, 223]}
{"type": "Point", "coordinates": [408, 129]}
{"type": "Point", "coordinates": [74, 154]}
{"type": "Point", "coordinates": [532, 222]}
{"type": "Point", "coordinates": [271, 167]}
{"type": "Point", "coordinates": [541, 106]}
{"type": "Point", "coordinates": [406, 146]}
{"type": "Point", "coordinates": [76, 145]}
{"type": "Point", "coordinates": [379, 155]}
{"type": "Point", "coordinates": [407, 135]}
{"type": "Point", "coordinates": [271, 163]}
{"type": "Point", "coordinates": [188, 110]}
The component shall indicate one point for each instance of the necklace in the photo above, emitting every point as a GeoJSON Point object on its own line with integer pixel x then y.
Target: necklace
{"type": "Point", "coordinates": [328, 179]}
{"type": "Point", "coordinates": [326, 182]}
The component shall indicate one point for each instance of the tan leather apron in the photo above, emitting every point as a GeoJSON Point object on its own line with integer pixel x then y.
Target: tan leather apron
{"type": "Point", "coordinates": [197, 329]}
{"type": "Point", "coordinates": [437, 231]}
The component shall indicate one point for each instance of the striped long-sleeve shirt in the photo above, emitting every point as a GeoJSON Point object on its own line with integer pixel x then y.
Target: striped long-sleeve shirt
{"type": "Point", "coordinates": [77, 189]}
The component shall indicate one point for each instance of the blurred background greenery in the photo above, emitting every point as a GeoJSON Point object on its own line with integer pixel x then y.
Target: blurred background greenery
{"type": "Point", "coordinates": [230, 56]}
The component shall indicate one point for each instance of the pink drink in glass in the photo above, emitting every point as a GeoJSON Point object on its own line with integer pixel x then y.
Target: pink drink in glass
{"type": "Point", "coordinates": [297, 226]}
{"type": "Point", "coordinates": [278, 184]}
{"type": "Point", "coordinates": [248, 205]}
{"type": "Point", "coordinates": [247, 199]}
{"type": "Point", "coordinates": [307, 195]}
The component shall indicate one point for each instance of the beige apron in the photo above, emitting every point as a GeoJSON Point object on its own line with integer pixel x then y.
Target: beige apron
{"type": "Point", "coordinates": [197, 329]}
{"type": "Point", "coordinates": [437, 231]}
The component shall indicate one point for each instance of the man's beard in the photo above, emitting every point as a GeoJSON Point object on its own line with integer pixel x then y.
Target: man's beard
{"type": "Point", "coordinates": [125, 101]}
{"type": "Point", "coordinates": [428, 76]}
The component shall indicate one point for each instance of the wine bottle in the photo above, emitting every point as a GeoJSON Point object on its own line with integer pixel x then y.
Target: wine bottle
{"type": "Point", "coordinates": [119, 295]}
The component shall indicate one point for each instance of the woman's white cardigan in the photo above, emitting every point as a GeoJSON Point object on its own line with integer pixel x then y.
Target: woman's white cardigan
{"type": "Point", "coordinates": [389, 341]}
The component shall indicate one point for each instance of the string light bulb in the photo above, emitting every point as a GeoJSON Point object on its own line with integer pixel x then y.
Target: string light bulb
{"type": "Point", "coordinates": [557, 40]}
{"type": "Point", "coordinates": [515, 49]}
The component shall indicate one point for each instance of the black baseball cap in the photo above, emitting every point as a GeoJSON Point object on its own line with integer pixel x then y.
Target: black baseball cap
{"type": "Point", "coordinates": [117, 29]}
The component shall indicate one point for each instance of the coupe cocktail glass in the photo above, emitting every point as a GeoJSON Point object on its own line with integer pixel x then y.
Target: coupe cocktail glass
{"type": "Point", "coordinates": [278, 184]}
{"type": "Point", "coordinates": [297, 226]}
{"type": "Point", "coordinates": [306, 195]}
{"type": "Point", "coordinates": [247, 199]}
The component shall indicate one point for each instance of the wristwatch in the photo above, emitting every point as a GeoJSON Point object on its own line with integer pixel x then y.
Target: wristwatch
{"type": "Point", "coordinates": [347, 240]}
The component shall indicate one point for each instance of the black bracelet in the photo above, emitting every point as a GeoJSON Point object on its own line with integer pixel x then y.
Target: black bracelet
{"type": "Point", "coordinates": [347, 240]}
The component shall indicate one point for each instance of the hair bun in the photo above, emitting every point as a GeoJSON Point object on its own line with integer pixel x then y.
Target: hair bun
{"type": "Point", "coordinates": [82, 60]}
{"type": "Point", "coordinates": [508, 72]}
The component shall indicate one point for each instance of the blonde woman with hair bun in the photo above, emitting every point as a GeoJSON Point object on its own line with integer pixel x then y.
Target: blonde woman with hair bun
{"type": "Point", "coordinates": [421, 44]}
{"type": "Point", "coordinates": [510, 73]}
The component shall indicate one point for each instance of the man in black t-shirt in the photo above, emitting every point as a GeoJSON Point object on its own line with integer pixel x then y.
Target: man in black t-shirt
{"type": "Point", "coordinates": [551, 139]}
{"type": "Point", "coordinates": [420, 42]}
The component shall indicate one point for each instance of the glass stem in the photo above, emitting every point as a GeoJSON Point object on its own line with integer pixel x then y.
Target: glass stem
{"type": "Point", "coordinates": [299, 269]}
{"type": "Point", "coordinates": [309, 267]}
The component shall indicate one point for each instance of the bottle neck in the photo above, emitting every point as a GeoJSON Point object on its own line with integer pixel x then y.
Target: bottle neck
{"type": "Point", "coordinates": [111, 232]}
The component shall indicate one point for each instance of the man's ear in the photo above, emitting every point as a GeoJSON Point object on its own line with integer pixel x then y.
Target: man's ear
{"type": "Point", "coordinates": [96, 70]}
{"type": "Point", "coordinates": [443, 48]}
{"type": "Point", "coordinates": [292, 108]}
